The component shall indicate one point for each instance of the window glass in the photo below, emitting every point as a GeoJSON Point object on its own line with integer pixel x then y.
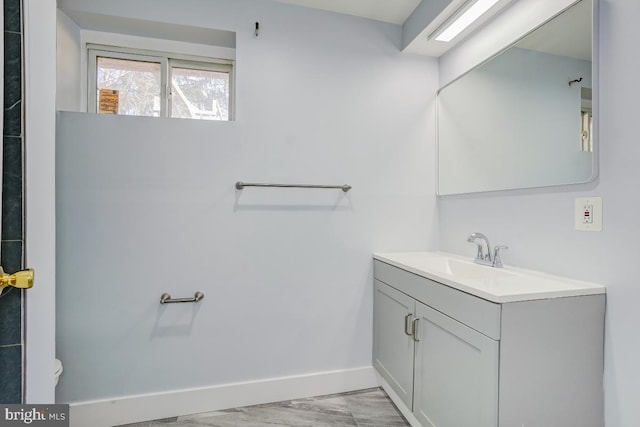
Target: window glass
{"type": "Point", "coordinates": [150, 83]}
{"type": "Point", "coordinates": [199, 94]}
{"type": "Point", "coordinates": [137, 82]}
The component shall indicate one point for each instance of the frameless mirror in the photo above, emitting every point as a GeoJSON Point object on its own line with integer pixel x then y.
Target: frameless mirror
{"type": "Point", "coordinates": [522, 119]}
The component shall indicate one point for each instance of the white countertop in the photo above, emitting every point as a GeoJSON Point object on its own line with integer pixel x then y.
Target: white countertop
{"type": "Point", "coordinates": [498, 285]}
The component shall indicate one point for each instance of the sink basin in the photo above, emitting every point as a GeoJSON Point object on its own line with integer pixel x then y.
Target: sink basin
{"type": "Point", "coordinates": [494, 284]}
{"type": "Point", "coordinates": [460, 268]}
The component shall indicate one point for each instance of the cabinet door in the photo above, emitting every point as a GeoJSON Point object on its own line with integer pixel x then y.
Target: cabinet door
{"type": "Point", "coordinates": [392, 347]}
{"type": "Point", "coordinates": [456, 373]}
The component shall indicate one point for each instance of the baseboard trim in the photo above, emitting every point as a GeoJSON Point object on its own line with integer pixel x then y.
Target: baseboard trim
{"type": "Point", "coordinates": [131, 409]}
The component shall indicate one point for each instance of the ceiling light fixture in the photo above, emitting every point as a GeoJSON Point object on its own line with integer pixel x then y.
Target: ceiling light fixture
{"type": "Point", "coordinates": [467, 18]}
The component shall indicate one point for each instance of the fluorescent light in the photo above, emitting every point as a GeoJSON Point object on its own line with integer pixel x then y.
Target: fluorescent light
{"type": "Point", "coordinates": [466, 19]}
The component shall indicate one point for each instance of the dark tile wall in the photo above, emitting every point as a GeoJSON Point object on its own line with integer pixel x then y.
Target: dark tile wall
{"type": "Point", "coordinates": [12, 243]}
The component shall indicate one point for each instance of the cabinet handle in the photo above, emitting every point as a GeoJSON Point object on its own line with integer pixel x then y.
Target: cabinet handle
{"type": "Point", "coordinates": [414, 329]}
{"type": "Point", "coordinates": [406, 325]}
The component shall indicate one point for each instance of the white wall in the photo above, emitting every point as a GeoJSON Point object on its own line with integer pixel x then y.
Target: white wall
{"type": "Point", "coordinates": [147, 206]}
{"type": "Point", "coordinates": [39, 139]}
{"type": "Point", "coordinates": [538, 224]}
{"type": "Point", "coordinates": [68, 87]}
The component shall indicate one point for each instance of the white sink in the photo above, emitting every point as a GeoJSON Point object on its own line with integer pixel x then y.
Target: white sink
{"type": "Point", "coordinates": [458, 268]}
{"type": "Point", "coordinates": [494, 284]}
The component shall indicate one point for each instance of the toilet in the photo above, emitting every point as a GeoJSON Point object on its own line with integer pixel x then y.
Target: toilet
{"type": "Point", "coordinates": [58, 370]}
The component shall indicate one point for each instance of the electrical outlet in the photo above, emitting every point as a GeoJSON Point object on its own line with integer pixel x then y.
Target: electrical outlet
{"type": "Point", "coordinates": [588, 214]}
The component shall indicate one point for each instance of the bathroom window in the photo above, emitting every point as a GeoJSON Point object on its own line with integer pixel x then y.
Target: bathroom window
{"type": "Point", "coordinates": [127, 82]}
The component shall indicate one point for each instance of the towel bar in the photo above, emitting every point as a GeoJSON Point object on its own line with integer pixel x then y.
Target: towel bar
{"type": "Point", "coordinates": [166, 298]}
{"type": "Point", "coordinates": [240, 185]}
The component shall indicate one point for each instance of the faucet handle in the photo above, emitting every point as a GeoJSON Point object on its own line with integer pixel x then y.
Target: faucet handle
{"type": "Point", "coordinates": [497, 260]}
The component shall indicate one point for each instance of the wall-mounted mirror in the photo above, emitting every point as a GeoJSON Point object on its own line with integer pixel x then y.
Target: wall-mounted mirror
{"type": "Point", "coordinates": [523, 118]}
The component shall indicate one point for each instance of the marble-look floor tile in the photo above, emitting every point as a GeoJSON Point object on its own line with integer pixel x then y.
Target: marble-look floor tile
{"type": "Point", "coordinates": [330, 412]}
{"type": "Point", "coordinates": [366, 408]}
{"type": "Point", "coordinates": [165, 422]}
{"type": "Point", "coordinates": [374, 409]}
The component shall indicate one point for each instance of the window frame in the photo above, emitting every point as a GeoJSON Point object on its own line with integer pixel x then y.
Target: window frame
{"type": "Point", "coordinates": [167, 61]}
{"type": "Point", "coordinates": [204, 66]}
{"type": "Point", "coordinates": [93, 55]}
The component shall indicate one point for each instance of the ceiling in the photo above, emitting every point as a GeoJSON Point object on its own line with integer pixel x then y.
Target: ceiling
{"type": "Point", "coordinates": [419, 19]}
{"type": "Point", "coordinates": [569, 34]}
{"type": "Point", "coordinates": [393, 11]}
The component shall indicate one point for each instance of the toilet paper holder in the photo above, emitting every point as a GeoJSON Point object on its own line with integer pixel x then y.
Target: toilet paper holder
{"type": "Point", "coordinates": [165, 298]}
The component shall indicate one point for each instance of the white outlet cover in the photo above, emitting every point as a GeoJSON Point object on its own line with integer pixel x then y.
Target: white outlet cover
{"type": "Point", "coordinates": [596, 214]}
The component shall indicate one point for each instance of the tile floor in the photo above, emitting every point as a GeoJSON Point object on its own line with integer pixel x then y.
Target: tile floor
{"type": "Point", "coordinates": [365, 408]}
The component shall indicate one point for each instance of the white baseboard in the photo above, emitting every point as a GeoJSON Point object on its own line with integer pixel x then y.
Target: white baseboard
{"type": "Point", "coordinates": [406, 412]}
{"type": "Point", "coordinates": [131, 409]}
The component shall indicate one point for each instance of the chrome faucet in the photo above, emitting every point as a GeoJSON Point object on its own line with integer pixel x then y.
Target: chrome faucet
{"type": "Point", "coordinates": [493, 260]}
{"type": "Point", "coordinates": [481, 258]}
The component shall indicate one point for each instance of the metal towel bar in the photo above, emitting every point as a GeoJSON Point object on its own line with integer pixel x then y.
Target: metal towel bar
{"type": "Point", "coordinates": [166, 298]}
{"type": "Point", "coordinates": [240, 185]}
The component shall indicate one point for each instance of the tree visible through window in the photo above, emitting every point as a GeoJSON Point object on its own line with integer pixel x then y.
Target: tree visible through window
{"type": "Point", "coordinates": [137, 83]}
{"type": "Point", "coordinates": [199, 94]}
{"type": "Point", "coordinates": [160, 86]}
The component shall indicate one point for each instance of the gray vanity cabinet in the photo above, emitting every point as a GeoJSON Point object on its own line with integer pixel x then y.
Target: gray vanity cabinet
{"type": "Point", "coordinates": [457, 360]}
{"type": "Point", "coordinates": [440, 368]}
{"type": "Point", "coordinates": [393, 345]}
{"type": "Point", "coordinates": [456, 373]}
